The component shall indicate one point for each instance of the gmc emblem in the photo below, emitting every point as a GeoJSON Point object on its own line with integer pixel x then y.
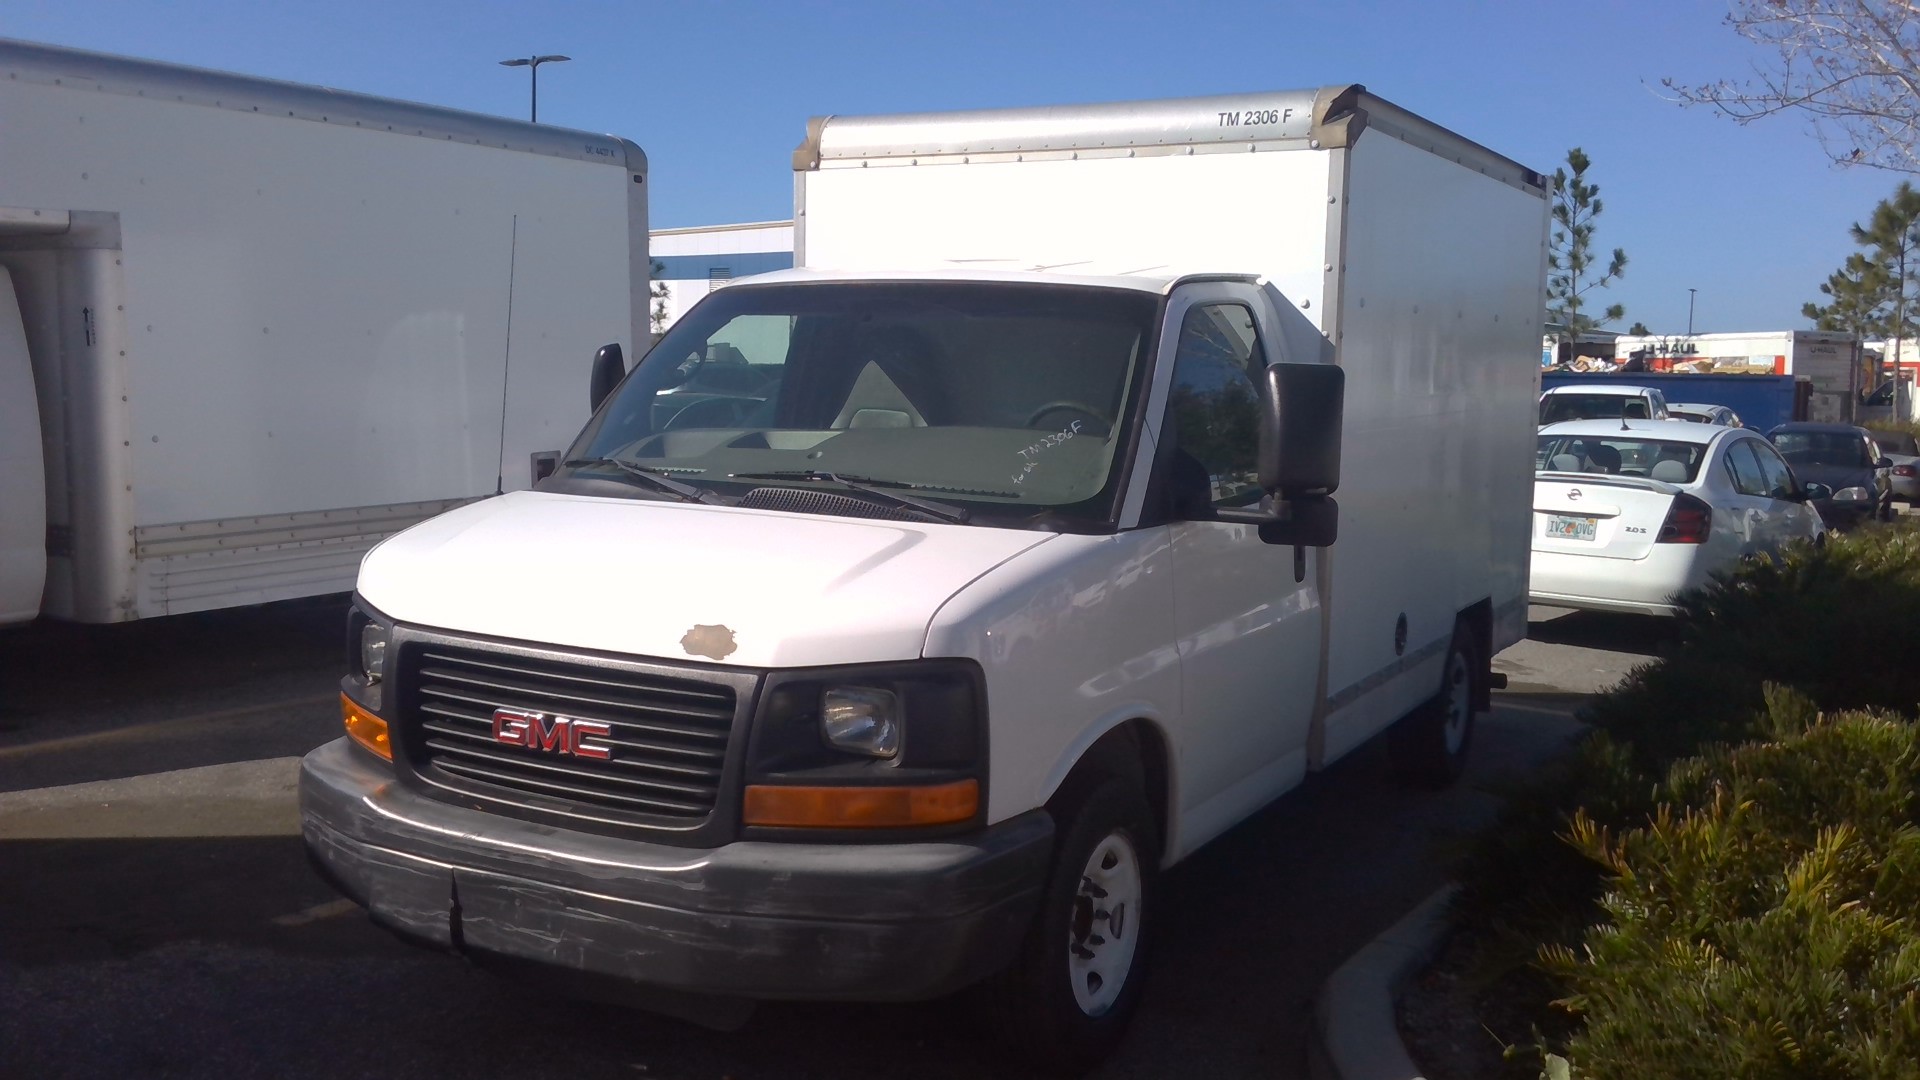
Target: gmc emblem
{"type": "Point", "coordinates": [554, 734]}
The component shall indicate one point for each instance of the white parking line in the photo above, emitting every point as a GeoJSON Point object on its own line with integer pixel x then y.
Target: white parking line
{"type": "Point", "coordinates": [317, 912]}
{"type": "Point", "coordinates": [158, 729]}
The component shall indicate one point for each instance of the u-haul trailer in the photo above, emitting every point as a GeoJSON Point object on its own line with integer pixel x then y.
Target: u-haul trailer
{"type": "Point", "coordinates": [267, 325]}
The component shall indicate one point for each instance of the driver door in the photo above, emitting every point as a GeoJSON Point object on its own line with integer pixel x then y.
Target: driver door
{"type": "Point", "coordinates": [1246, 614]}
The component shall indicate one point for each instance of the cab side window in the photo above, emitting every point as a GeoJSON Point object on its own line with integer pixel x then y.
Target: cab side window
{"type": "Point", "coordinates": [1748, 477]}
{"type": "Point", "coordinates": [1780, 483]}
{"type": "Point", "coordinates": [1212, 408]}
{"type": "Point", "coordinates": [1636, 409]}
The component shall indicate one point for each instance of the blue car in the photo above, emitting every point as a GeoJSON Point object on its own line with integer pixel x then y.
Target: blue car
{"type": "Point", "coordinates": [1845, 459]}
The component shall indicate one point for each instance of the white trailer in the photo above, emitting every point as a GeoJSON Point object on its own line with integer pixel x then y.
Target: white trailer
{"type": "Point", "coordinates": [901, 616]}
{"type": "Point", "coordinates": [267, 325]}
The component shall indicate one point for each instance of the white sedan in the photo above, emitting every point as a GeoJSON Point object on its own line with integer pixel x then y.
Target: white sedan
{"type": "Point", "coordinates": [1629, 513]}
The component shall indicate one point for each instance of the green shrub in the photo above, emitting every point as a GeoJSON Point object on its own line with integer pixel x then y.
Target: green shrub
{"type": "Point", "coordinates": [1762, 923]}
{"type": "Point", "coordinates": [1828, 627]}
{"type": "Point", "coordinates": [1830, 623]}
{"type": "Point", "coordinates": [1890, 425]}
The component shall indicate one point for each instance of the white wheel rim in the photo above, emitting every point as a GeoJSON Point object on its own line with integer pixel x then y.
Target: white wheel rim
{"type": "Point", "coordinates": [1459, 704]}
{"type": "Point", "coordinates": [1104, 927]}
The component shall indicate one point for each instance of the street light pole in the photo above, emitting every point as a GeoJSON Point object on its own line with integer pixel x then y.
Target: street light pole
{"type": "Point", "coordinates": [1690, 293]}
{"type": "Point", "coordinates": [532, 63]}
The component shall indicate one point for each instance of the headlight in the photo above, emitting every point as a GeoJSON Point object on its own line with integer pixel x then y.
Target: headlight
{"type": "Point", "coordinates": [373, 652]}
{"type": "Point", "coordinates": [361, 687]}
{"type": "Point", "coordinates": [887, 745]}
{"type": "Point", "coordinates": [1853, 494]}
{"type": "Point", "coordinates": [861, 720]}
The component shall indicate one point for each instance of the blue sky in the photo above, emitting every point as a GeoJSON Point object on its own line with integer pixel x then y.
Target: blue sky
{"type": "Point", "coordinates": [719, 93]}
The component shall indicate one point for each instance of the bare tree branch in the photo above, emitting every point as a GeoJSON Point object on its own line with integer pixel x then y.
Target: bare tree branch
{"type": "Point", "coordinates": [1851, 66]}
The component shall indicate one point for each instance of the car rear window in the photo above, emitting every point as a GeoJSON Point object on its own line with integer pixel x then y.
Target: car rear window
{"type": "Point", "coordinates": [1555, 408]}
{"type": "Point", "coordinates": [1822, 448]}
{"type": "Point", "coordinates": [1655, 459]}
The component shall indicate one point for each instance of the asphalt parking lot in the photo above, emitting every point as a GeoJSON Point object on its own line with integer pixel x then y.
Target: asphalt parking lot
{"type": "Point", "coordinates": [158, 918]}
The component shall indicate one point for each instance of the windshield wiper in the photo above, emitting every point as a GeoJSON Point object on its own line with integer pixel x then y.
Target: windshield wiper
{"type": "Point", "coordinates": [653, 478]}
{"type": "Point", "coordinates": [866, 485]}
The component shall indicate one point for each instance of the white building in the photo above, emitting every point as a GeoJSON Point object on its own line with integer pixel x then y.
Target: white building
{"type": "Point", "coordinates": [694, 261]}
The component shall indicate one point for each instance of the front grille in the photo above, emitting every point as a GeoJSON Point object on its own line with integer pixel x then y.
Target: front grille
{"type": "Point", "coordinates": [668, 743]}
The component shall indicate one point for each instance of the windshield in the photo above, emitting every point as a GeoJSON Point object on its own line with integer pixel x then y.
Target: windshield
{"type": "Point", "coordinates": [1555, 408]}
{"type": "Point", "coordinates": [1822, 448]}
{"type": "Point", "coordinates": [1009, 399]}
{"type": "Point", "coordinates": [1655, 459]}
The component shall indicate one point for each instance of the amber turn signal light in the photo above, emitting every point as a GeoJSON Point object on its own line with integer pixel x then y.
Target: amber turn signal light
{"type": "Point", "coordinates": [365, 728]}
{"type": "Point", "coordinates": [861, 807]}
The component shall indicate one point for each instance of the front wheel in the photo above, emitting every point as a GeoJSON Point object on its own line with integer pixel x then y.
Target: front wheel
{"type": "Point", "coordinates": [1429, 747]}
{"type": "Point", "coordinates": [1068, 998]}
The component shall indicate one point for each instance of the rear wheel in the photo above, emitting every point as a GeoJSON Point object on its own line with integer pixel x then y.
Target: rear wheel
{"type": "Point", "coordinates": [1429, 747]}
{"type": "Point", "coordinates": [1068, 998]}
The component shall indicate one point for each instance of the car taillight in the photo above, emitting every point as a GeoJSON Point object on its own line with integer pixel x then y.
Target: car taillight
{"type": "Point", "coordinates": [1687, 521]}
{"type": "Point", "coordinates": [1905, 470]}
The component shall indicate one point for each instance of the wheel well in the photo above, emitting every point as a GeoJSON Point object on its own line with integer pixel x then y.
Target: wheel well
{"type": "Point", "coordinates": [1135, 750]}
{"type": "Point", "coordinates": [1478, 619]}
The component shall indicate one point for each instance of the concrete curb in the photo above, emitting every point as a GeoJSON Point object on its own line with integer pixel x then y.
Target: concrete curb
{"type": "Point", "coordinates": [1356, 1035]}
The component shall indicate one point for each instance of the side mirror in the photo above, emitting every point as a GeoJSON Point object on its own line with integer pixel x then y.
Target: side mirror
{"type": "Point", "coordinates": [1301, 406]}
{"type": "Point", "coordinates": [609, 367]}
{"type": "Point", "coordinates": [1883, 463]}
{"type": "Point", "coordinates": [1312, 522]}
{"type": "Point", "coordinates": [544, 463]}
{"type": "Point", "coordinates": [1815, 492]}
{"type": "Point", "coordinates": [1300, 410]}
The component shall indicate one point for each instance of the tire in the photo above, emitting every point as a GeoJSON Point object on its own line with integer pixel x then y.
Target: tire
{"type": "Point", "coordinates": [1066, 1001]}
{"type": "Point", "coordinates": [1429, 747]}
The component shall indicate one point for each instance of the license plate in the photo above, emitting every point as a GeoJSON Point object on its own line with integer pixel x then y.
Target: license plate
{"type": "Point", "coordinates": [1572, 528]}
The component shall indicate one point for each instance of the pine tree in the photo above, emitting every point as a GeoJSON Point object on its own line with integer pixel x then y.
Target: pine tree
{"type": "Point", "coordinates": [1576, 203]}
{"type": "Point", "coordinates": [660, 294]}
{"type": "Point", "coordinates": [1893, 232]}
{"type": "Point", "coordinates": [1859, 299]}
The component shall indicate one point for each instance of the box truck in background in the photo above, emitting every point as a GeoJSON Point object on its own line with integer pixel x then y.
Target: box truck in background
{"type": "Point", "coordinates": [898, 619]}
{"type": "Point", "coordinates": [267, 325]}
{"type": "Point", "coordinates": [1823, 359]}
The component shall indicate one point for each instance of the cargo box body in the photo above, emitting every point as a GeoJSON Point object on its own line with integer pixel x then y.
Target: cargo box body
{"type": "Point", "coordinates": [271, 324]}
{"type": "Point", "coordinates": [1414, 258]}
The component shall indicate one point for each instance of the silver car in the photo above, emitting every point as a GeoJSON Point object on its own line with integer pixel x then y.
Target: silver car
{"type": "Point", "coordinates": [1704, 414]}
{"type": "Point", "coordinates": [1903, 450]}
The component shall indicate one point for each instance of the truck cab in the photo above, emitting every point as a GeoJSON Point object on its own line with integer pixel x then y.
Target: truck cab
{"type": "Point", "coordinates": [889, 629]}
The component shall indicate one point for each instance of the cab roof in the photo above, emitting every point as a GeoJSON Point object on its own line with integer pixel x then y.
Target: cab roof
{"type": "Point", "coordinates": [1153, 281]}
{"type": "Point", "coordinates": [1619, 389]}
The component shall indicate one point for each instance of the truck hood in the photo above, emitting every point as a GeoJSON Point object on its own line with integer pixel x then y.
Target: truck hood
{"type": "Point", "coordinates": [719, 584]}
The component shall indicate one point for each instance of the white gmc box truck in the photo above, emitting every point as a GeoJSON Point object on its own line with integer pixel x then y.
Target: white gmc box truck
{"type": "Point", "coordinates": [897, 620]}
{"type": "Point", "coordinates": [249, 328]}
